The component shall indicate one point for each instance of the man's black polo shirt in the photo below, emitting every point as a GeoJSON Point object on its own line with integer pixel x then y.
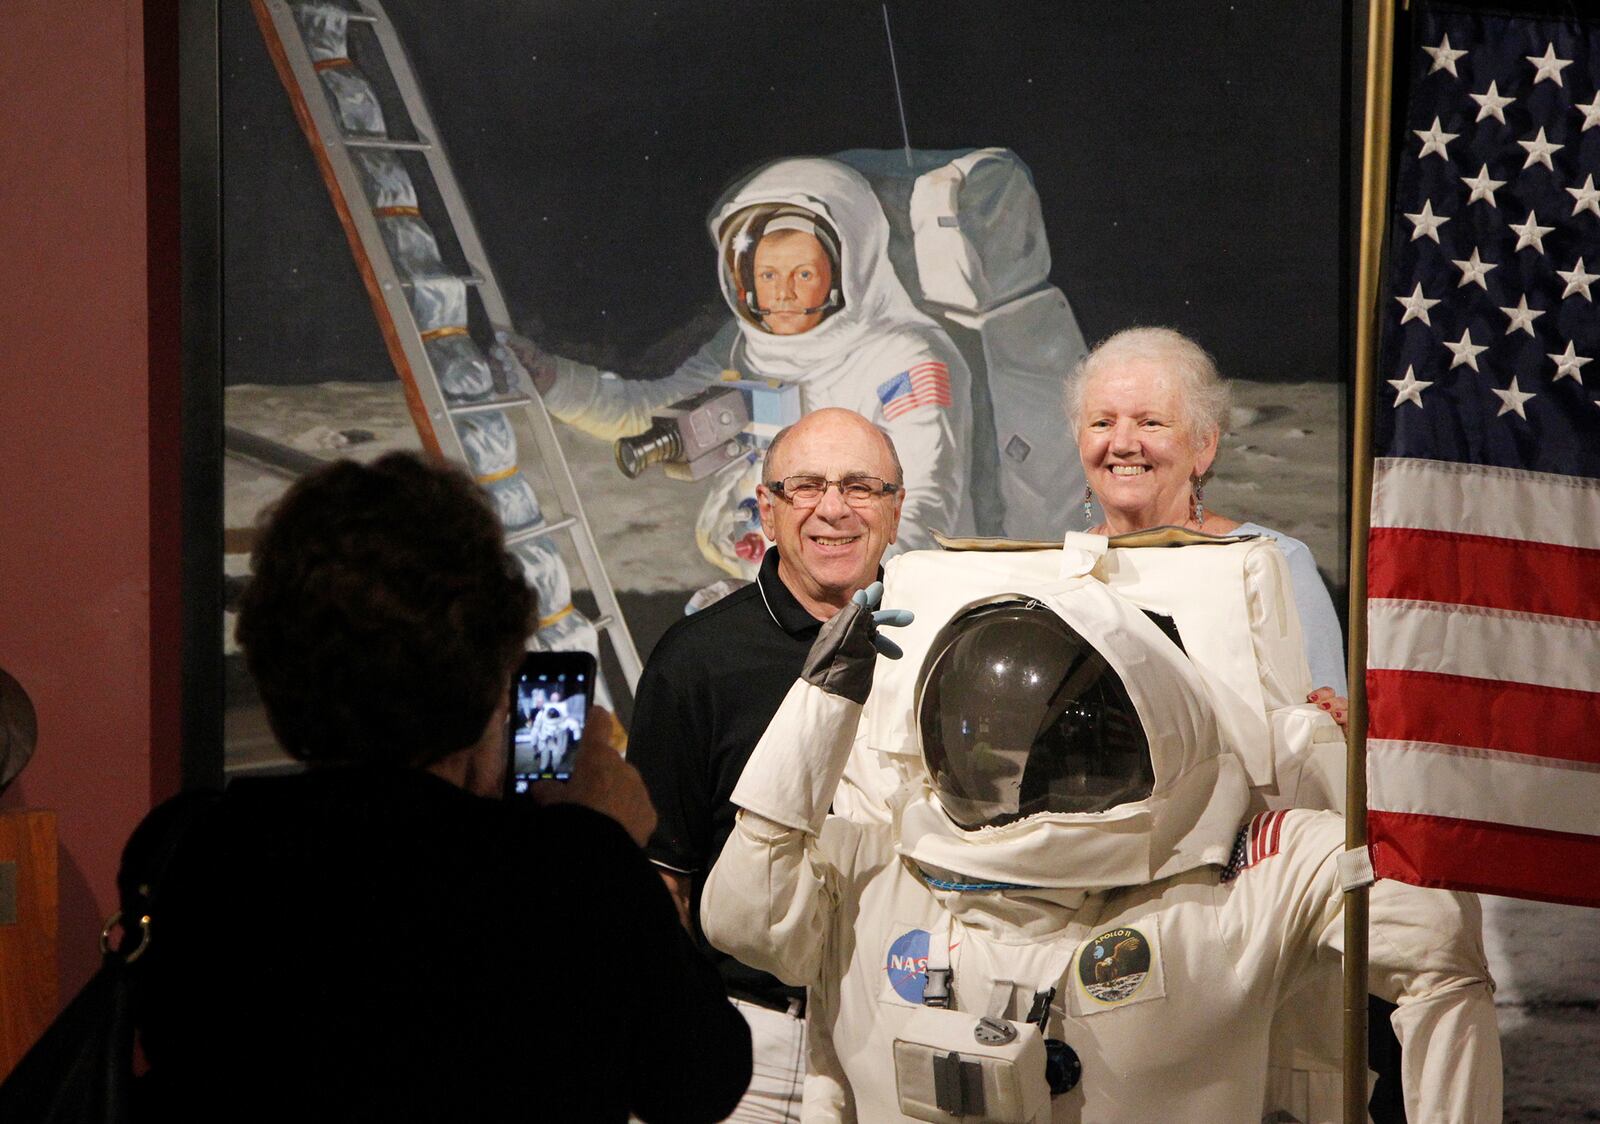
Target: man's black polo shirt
{"type": "Point", "coordinates": [707, 693]}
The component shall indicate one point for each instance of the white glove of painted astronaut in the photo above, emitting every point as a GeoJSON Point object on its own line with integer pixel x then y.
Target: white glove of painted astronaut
{"type": "Point", "coordinates": [524, 362]}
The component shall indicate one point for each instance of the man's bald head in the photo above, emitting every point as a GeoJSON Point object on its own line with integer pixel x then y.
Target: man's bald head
{"type": "Point", "coordinates": [832, 415]}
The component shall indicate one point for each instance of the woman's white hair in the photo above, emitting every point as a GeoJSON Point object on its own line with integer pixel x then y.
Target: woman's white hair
{"type": "Point", "coordinates": [1202, 390]}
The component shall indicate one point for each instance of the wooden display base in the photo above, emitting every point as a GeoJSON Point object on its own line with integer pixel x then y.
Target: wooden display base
{"type": "Point", "coordinates": [28, 914]}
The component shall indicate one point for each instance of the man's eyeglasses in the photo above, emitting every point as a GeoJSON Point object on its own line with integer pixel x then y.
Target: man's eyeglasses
{"type": "Point", "coordinates": [807, 491]}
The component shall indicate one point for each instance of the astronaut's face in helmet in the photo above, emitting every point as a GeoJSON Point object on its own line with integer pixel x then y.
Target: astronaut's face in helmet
{"type": "Point", "coordinates": [792, 275]}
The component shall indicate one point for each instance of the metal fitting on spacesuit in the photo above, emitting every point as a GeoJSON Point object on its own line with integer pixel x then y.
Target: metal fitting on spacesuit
{"type": "Point", "coordinates": [743, 232]}
{"type": "Point", "coordinates": [1019, 714]}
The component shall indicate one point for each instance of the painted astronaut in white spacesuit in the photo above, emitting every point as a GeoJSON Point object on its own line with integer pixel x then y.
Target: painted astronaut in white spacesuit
{"type": "Point", "coordinates": [1069, 917]}
{"type": "Point", "coordinates": [804, 267]}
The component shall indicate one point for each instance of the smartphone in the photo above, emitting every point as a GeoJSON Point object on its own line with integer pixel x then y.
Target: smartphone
{"type": "Point", "coordinates": [550, 696]}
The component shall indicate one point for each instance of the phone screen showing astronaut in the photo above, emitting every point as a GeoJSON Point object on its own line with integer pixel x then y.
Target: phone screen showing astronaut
{"type": "Point", "coordinates": [549, 700]}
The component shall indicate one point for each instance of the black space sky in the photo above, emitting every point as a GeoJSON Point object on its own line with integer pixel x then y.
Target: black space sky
{"type": "Point", "coordinates": [1186, 153]}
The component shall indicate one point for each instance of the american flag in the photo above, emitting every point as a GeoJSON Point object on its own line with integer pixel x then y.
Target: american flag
{"type": "Point", "coordinates": [1483, 672]}
{"type": "Point", "coordinates": [1264, 835]}
{"type": "Point", "coordinates": [926, 384]}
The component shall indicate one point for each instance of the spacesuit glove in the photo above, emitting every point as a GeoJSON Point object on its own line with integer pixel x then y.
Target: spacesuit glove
{"type": "Point", "coordinates": [517, 355]}
{"type": "Point", "coordinates": [842, 656]}
{"type": "Point", "coordinates": [869, 598]}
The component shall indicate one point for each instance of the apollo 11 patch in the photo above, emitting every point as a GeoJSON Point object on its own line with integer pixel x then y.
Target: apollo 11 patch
{"type": "Point", "coordinates": [1118, 967]}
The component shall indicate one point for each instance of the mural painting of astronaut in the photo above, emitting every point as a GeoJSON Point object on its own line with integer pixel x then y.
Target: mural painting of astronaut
{"type": "Point", "coordinates": [804, 267]}
{"type": "Point", "coordinates": [815, 275]}
{"type": "Point", "coordinates": [591, 209]}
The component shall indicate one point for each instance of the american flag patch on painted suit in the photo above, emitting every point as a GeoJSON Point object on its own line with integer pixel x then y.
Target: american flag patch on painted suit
{"type": "Point", "coordinates": [926, 384]}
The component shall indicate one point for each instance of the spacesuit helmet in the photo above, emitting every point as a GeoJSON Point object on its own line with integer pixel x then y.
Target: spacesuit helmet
{"type": "Point", "coordinates": [743, 231]}
{"type": "Point", "coordinates": [1018, 714]}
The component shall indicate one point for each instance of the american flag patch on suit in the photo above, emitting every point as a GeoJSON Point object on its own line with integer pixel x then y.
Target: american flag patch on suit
{"type": "Point", "coordinates": [925, 384]}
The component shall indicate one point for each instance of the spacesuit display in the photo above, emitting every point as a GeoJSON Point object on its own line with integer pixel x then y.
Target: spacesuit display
{"type": "Point", "coordinates": [869, 350]}
{"type": "Point", "coordinates": [1075, 877]}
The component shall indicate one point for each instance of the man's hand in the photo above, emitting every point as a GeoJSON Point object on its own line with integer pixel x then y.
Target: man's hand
{"type": "Point", "coordinates": [517, 355]}
{"type": "Point", "coordinates": [603, 781]}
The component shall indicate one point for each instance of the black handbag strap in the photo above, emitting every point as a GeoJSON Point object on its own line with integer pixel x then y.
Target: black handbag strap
{"type": "Point", "coordinates": [147, 858]}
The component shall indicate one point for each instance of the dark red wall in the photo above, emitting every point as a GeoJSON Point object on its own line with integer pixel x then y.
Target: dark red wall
{"type": "Point", "coordinates": [86, 449]}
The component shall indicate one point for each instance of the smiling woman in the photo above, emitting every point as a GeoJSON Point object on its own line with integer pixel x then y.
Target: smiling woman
{"type": "Point", "coordinates": [1147, 407]}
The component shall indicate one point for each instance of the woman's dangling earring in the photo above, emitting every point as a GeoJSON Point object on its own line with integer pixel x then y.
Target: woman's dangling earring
{"type": "Point", "coordinates": [1088, 508]}
{"type": "Point", "coordinates": [1199, 503]}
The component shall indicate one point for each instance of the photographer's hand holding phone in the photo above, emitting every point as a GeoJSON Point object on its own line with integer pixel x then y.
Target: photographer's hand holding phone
{"type": "Point", "coordinates": [603, 781]}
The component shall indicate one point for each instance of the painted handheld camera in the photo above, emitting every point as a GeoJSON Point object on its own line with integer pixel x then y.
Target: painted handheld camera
{"type": "Point", "coordinates": [709, 430]}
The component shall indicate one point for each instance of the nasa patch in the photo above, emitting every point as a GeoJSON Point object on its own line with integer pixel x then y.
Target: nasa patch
{"type": "Point", "coordinates": [1119, 967]}
{"type": "Point", "coordinates": [906, 964]}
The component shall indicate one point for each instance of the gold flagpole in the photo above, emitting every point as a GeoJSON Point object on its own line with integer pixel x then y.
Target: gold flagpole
{"type": "Point", "coordinates": [1374, 217]}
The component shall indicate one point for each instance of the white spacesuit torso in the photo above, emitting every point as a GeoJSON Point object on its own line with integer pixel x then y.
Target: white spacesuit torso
{"type": "Point", "coordinates": [1188, 1040]}
{"type": "Point", "coordinates": [1170, 926]}
{"type": "Point", "coordinates": [870, 356]}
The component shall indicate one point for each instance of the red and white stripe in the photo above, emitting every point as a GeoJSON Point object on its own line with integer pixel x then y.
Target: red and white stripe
{"type": "Point", "coordinates": [930, 386]}
{"type": "Point", "coordinates": [1483, 737]}
{"type": "Point", "coordinates": [1265, 830]}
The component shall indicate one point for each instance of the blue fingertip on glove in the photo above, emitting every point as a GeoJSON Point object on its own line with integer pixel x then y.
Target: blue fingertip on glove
{"type": "Point", "coordinates": [894, 618]}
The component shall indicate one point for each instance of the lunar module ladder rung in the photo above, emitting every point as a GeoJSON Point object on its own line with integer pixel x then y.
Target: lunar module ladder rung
{"type": "Point", "coordinates": [388, 143]}
{"type": "Point", "coordinates": [521, 400]}
{"type": "Point", "coordinates": [343, 180]}
{"type": "Point", "coordinates": [539, 531]}
{"type": "Point", "coordinates": [472, 280]}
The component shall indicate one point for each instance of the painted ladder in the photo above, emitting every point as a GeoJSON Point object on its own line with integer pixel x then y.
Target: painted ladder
{"type": "Point", "coordinates": [462, 406]}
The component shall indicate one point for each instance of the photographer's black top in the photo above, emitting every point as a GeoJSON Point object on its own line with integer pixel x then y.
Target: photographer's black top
{"type": "Point", "coordinates": [367, 943]}
{"type": "Point", "coordinates": [707, 693]}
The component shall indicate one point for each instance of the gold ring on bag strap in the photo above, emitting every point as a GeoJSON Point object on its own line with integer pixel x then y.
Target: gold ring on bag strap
{"type": "Point", "coordinates": [144, 936]}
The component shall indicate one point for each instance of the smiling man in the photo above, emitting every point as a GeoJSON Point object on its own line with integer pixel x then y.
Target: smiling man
{"type": "Point", "coordinates": [830, 500]}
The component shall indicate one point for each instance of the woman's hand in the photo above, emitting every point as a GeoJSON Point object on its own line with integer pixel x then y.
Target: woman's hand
{"type": "Point", "coordinates": [1336, 705]}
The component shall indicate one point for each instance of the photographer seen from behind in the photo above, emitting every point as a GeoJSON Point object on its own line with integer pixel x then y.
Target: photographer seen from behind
{"type": "Point", "coordinates": [381, 937]}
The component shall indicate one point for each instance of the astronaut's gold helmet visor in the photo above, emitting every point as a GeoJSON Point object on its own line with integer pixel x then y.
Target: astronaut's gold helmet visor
{"type": "Point", "coordinates": [1019, 714]}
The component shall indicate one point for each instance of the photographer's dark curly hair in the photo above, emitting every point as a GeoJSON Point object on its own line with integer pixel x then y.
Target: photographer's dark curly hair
{"type": "Point", "coordinates": [384, 615]}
